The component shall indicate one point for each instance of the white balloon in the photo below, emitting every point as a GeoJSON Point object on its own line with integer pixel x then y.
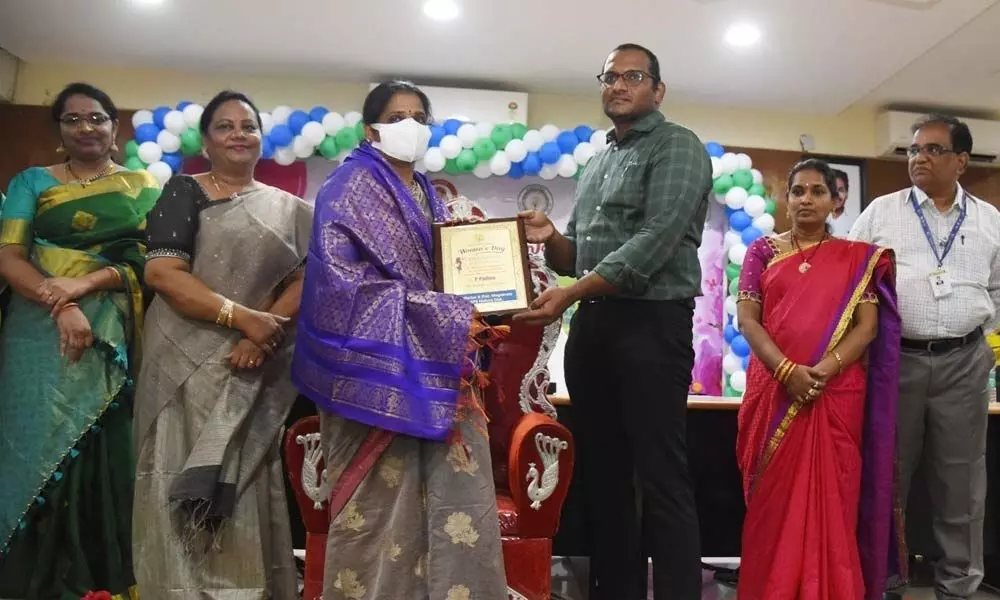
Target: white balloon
{"type": "Point", "coordinates": [755, 206]}
{"type": "Point", "coordinates": [434, 160]}
{"type": "Point", "coordinates": [499, 164]}
{"type": "Point", "coordinates": [516, 150]}
{"type": "Point", "coordinates": [468, 135]}
{"type": "Point", "coordinates": [731, 239]}
{"type": "Point", "coordinates": [716, 167]}
{"type": "Point", "coordinates": [758, 177]}
{"type": "Point", "coordinates": [161, 171]}
{"type": "Point", "coordinates": [738, 381]}
{"type": "Point", "coordinates": [284, 156]}
{"type": "Point", "coordinates": [743, 161]}
{"type": "Point", "coordinates": [333, 122]}
{"type": "Point", "coordinates": [736, 198]}
{"type": "Point", "coordinates": [141, 117]}
{"type": "Point", "coordinates": [765, 223]}
{"type": "Point", "coordinates": [192, 115]}
{"type": "Point", "coordinates": [174, 122]}
{"type": "Point", "coordinates": [730, 305]}
{"type": "Point", "coordinates": [533, 140]}
{"type": "Point", "coordinates": [340, 158]}
{"type": "Point", "coordinates": [731, 363]}
{"type": "Point", "coordinates": [314, 132]}
{"type": "Point", "coordinates": [549, 172]}
{"type": "Point", "coordinates": [168, 142]}
{"type": "Point", "coordinates": [583, 152]}
{"type": "Point", "coordinates": [729, 163]}
{"type": "Point", "coordinates": [352, 118]}
{"type": "Point", "coordinates": [736, 321]}
{"type": "Point", "coordinates": [550, 132]}
{"type": "Point", "coordinates": [450, 146]}
{"type": "Point", "coordinates": [419, 166]}
{"type": "Point", "coordinates": [482, 170]}
{"type": "Point", "coordinates": [720, 198]}
{"type": "Point", "coordinates": [484, 129]}
{"type": "Point", "coordinates": [566, 167]}
{"type": "Point", "coordinates": [266, 123]}
{"type": "Point", "coordinates": [302, 147]}
{"type": "Point", "coordinates": [280, 114]}
{"type": "Point", "coordinates": [599, 139]}
{"type": "Point", "coordinates": [150, 152]}
{"type": "Point", "coordinates": [737, 253]}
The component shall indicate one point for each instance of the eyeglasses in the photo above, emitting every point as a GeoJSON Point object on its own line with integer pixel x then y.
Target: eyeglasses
{"type": "Point", "coordinates": [631, 78]}
{"type": "Point", "coordinates": [933, 150]}
{"type": "Point", "coordinates": [75, 120]}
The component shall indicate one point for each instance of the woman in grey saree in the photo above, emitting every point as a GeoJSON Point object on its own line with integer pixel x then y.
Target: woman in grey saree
{"type": "Point", "coordinates": [387, 360]}
{"type": "Point", "coordinates": [210, 517]}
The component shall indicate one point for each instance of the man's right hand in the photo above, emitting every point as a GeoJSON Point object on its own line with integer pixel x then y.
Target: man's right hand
{"type": "Point", "coordinates": [537, 226]}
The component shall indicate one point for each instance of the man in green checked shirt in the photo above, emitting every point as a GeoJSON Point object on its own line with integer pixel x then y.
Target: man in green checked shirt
{"type": "Point", "coordinates": [632, 242]}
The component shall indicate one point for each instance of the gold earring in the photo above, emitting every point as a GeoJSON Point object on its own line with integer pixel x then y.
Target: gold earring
{"type": "Point", "coordinates": [114, 146]}
{"type": "Point", "coordinates": [60, 149]}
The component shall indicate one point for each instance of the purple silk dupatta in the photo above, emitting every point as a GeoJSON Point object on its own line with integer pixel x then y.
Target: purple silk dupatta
{"type": "Point", "coordinates": [375, 343]}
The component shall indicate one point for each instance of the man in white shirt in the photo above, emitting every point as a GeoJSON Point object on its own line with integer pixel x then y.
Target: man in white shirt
{"type": "Point", "coordinates": [840, 223]}
{"type": "Point", "coordinates": [947, 246]}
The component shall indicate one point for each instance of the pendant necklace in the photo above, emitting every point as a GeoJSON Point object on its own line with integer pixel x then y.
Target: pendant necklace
{"type": "Point", "coordinates": [85, 181]}
{"type": "Point", "coordinates": [805, 266]}
{"type": "Point", "coordinates": [218, 186]}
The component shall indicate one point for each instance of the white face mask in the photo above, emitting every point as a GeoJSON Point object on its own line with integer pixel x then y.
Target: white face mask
{"type": "Point", "coordinates": [404, 140]}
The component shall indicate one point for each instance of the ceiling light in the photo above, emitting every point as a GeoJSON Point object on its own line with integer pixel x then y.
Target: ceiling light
{"type": "Point", "coordinates": [441, 10]}
{"type": "Point", "coordinates": [742, 35]}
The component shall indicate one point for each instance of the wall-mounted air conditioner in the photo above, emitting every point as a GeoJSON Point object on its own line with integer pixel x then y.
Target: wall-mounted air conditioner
{"type": "Point", "coordinates": [894, 135]}
{"type": "Point", "coordinates": [477, 106]}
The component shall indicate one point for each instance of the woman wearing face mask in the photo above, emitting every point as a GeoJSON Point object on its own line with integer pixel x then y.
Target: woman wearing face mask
{"type": "Point", "coordinates": [71, 250]}
{"type": "Point", "coordinates": [387, 360]}
{"type": "Point", "coordinates": [225, 258]}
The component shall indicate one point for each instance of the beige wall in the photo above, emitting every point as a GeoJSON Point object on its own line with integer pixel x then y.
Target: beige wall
{"type": "Point", "coordinates": [850, 133]}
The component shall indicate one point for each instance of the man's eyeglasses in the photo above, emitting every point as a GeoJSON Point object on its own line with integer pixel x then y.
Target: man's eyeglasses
{"type": "Point", "coordinates": [631, 78]}
{"type": "Point", "coordinates": [93, 119]}
{"type": "Point", "coordinates": [933, 150]}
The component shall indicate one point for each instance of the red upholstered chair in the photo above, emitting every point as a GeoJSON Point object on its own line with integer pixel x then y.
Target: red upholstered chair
{"type": "Point", "coordinates": [532, 454]}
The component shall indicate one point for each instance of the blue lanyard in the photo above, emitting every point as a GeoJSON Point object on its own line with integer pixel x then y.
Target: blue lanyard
{"type": "Point", "coordinates": [940, 256]}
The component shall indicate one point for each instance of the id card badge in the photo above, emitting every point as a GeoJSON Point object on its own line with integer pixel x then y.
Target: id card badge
{"type": "Point", "coordinates": [940, 283]}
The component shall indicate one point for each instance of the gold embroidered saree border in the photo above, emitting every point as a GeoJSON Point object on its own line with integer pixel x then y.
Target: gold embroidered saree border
{"type": "Point", "coordinates": [15, 232]}
{"type": "Point", "coordinates": [127, 183]}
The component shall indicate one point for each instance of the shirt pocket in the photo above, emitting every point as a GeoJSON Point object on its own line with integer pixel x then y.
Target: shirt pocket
{"type": "Point", "coordinates": [624, 189]}
{"type": "Point", "coordinates": [974, 252]}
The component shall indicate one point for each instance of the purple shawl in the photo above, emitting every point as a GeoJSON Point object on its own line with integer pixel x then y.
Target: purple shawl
{"type": "Point", "coordinates": [375, 344]}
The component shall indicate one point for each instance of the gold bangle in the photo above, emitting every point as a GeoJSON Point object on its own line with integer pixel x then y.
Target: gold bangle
{"type": "Point", "coordinates": [115, 274]}
{"type": "Point", "coordinates": [225, 316]}
{"type": "Point", "coordinates": [68, 305]}
{"type": "Point", "coordinates": [840, 361]}
{"type": "Point", "coordinates": [780, 368]}
{"type": "Point", "coordinates": [786, 372]}
{"type": "Point", "coordinates": [229, 315]}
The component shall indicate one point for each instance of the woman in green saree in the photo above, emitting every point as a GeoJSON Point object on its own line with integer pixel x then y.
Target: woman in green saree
{"type": "Point", "coordinates": [71, 250]}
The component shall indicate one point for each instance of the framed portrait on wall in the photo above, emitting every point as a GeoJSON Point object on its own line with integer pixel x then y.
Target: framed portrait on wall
{"type": "Point", "coordinates": [850, 183]}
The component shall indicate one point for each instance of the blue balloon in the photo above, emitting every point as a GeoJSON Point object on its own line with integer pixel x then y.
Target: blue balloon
{"type": "Point", "coordinates": [532, 164]}
{"type": "Point", "coordinates": [740, 346]}
{"type": "Point", "coordinates": [437, 132]}
{"type": "Point", "coordinates": [184, 104]}
{"type": "Point", "coordinates": [317, 113]}
{"type": "Point", "coordinates": [516, 171]}
{"type": "Point", "coordinates": [158, 115]}
{"type": "Point", "coordinates": [281, 136]}
{"type": "Point", "coordinates": [715, 149]}
{"type": "Point", "coordinates": [739, 220]}
{"type": "Point", "coordinates": [583, 133]}
{"type": "Point", "coordinates": [175, 160]}
{"type": "Point", "coordinates": [266, 148]}
{"type": "Point", "coordinates": [730, 333]}
{"type": "Point", "coordinates": [451, 126]}
{"type": "Point", "coordinates": [746, 362]}
{"type": "Point", "coordinates": [728, 211]}
{"type": "Point", "coordinates": [750, 234]}
{"type": "Point", "coordinates": [297, 120]}
{"type": "Point", "coordinates": [146, 132]}
{"type": "Point", "coordinates": [567, 142]}
{"type": "Point", "coordinates": [549, 153]}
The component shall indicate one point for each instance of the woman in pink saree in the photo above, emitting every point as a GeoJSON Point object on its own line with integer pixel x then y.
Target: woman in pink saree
{"type": "Point", "coordinates": [817, 424]}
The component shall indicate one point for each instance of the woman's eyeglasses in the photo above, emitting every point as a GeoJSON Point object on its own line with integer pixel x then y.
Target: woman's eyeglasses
{"type": "Point", "coordinates": [631, 78]}
{"type": "Point", "coordinates": [93, 119]}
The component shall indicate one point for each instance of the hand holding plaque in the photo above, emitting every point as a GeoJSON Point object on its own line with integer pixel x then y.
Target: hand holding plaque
{"type": "Point", "coordinates": [486, 263]}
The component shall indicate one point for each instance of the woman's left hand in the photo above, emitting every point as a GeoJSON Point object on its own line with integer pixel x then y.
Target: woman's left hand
{"type": "Point", "coordinates": [57, 291]}
{"type": "Point", "coordinates": [246, 355]}
{"type": "Point", "coordinates": [826, 369]}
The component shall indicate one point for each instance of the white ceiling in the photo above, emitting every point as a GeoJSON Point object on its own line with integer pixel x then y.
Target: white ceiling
{"type": "Point", "coordinates": [815, 55]}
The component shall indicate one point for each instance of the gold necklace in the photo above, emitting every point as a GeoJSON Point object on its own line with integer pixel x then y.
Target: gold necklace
{"type": "Point", "coordinates": [85, 181]}
{"type": "Point", "coordinates": [805, 266]}
{"type": "Point", "coordinates": [218, 186]}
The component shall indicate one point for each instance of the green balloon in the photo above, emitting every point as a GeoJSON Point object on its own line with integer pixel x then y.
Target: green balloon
{"type": "Point", "coordinates": [743, 178]}
{"type": "Point", "coordinates": [466, 160]}
{"type": "Point", "coordinates": [518, 130]}
{"type": "Point", "coordinates": [733, 272]}
{"type": "Point", "coordinates": [722, 184]}
{"type": "Point", "coordinates": [730, 392]}
{"type": "Point", "coordinates": [451, 167]}
{"type": "Point", "coordinates": [484, 149]}
{"type": "Point", "coordinates": [501, 135]}
{"type": "Point", "coordinates": [734, 286]}
{"type": "Point", "coordinates": [347, 138]}
{"type": "Point", "coordinates": [757, 190]}
{"type": "Point", "coordinates": [190, 142]}
{"type": "Point", "coordinates": [769, 206]}
{"type": "Point", "coordinates": [328, 147]}
{"type": "Point", "coordinates": [579, 172]}
{"type": "Point", "coordinates": [131, 149]}
{"type": "Point", "coordinates": [134, 164]}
